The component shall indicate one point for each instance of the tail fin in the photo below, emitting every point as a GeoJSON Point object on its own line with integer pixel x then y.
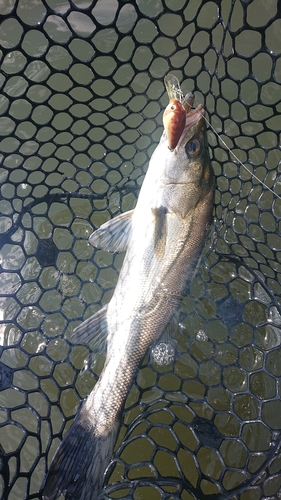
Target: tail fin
{"type": "Point", "coordinates": [79, 464]}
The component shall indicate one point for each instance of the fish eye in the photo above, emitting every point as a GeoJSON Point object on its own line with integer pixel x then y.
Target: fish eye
{"type": "Point", "coordinates": [193, 148]}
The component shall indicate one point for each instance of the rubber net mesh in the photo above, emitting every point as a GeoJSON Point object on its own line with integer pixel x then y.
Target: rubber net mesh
{"type": "Point", "coordinates": [81, 104]}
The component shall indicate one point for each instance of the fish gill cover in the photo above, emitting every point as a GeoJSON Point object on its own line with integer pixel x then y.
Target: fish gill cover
{"type": "Point", "coordinates": [81, 105]}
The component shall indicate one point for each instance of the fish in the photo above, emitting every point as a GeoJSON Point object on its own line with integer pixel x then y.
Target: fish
{"type": "Point", "coordinates": [163, 237]}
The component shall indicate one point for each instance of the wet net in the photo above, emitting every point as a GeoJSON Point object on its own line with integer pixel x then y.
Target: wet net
{"type": "Point", "coordinates": [82, 97]}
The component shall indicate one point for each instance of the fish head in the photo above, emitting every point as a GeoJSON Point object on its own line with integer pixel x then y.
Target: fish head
{"type": "Point", "coordinates": [186, 174]}
{"type": "Point", "coordinates": [190, 157]}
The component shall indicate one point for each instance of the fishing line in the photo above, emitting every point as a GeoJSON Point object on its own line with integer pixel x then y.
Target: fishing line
{"type": "Point", "coordinates": [239, 161]}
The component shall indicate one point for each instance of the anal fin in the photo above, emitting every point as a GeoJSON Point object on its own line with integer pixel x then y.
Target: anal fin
{"type": "Point", "coordinates": [93, 331]}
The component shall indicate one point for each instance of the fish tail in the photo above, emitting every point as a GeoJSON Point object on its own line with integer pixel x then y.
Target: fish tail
{"type": "Point", "coordinates": [77, 469]}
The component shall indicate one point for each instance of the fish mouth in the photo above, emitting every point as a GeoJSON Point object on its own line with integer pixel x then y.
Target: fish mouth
{"type": "Point", "coordinates": [188, 101]}
{"type": "Point", "coordinates": [192, 115]}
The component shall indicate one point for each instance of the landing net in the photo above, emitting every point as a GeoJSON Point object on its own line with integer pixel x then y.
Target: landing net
{"type": "Point", "coordinates": [81, 104]}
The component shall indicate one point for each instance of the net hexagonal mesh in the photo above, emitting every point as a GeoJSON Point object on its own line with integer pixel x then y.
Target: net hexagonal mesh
{"type": "Point", "coordinates": [82, 98]}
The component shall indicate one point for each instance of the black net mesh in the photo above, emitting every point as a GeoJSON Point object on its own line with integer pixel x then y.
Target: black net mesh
{"type": "Point", "coordinates": [82, 97]}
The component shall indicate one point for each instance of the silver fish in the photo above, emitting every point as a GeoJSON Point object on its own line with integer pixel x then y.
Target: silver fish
{"type": "Point", "coordinates": [163, 238]}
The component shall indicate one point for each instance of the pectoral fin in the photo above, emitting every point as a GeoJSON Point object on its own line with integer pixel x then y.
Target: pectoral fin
{"type": "Point", "coordinates": [93, 331]}
{"type": "Point", "coordinates": [113, 235]}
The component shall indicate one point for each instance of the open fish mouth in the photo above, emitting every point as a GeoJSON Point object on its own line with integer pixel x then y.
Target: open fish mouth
{"type": "Point", "coordinates": [188, 101]}
{"type": "Point", "coordinates": [192, 116]}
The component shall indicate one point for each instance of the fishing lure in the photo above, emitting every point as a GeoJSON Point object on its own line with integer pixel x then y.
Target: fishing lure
{"type": "Point", "coordinates": [175, 113]}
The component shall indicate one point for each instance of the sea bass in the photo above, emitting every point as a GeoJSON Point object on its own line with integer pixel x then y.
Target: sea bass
{"type": "Point", "coordinates": [163, 238]}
